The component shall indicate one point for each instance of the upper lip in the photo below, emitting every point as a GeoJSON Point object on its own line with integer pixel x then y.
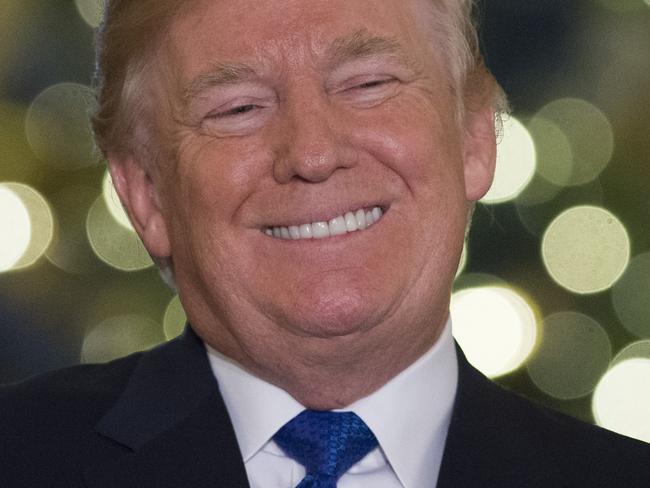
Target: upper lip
{"type": "Point", "coordinates": [305, 214]}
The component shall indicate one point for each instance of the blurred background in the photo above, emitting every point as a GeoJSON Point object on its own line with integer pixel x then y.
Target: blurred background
{"type": "Point", "coordinates": [553, 296]}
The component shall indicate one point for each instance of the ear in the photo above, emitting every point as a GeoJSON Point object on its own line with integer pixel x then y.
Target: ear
{"type": "Point", "coordinates": [479, 152]}
{"type": "Point", "coordinates": [137, 193]}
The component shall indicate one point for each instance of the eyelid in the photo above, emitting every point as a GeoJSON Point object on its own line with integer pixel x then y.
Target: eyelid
{"type": "Point", "coordinates": [377, 82]}
{"type": "Point", "coordinates": [231, 111]}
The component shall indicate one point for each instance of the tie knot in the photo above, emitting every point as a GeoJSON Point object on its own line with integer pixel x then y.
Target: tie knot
{"type": "Point", "coordinates": [326, 443]}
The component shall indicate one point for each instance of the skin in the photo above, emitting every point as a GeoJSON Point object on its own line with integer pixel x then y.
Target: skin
{"type": "Point", "coordinates": [305, 136]}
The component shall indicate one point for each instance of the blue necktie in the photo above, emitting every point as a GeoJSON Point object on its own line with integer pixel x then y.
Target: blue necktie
{"type": "Point", "coordinates": [327, 444]}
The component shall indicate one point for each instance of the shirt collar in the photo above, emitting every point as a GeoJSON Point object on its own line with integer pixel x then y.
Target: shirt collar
{"type": "Point", "coordinates": [409, 415]}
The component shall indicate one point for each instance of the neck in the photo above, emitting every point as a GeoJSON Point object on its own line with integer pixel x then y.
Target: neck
{"type": "Point", "coordinates": [332, 373]}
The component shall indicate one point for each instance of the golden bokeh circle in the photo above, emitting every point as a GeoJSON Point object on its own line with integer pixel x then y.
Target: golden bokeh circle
{"type": "Point", "coordinates": [113, 202]}
{"type": "Point", "coordinates": [589, 133]}
{"type": "Point", "coordinates": [113, 243]}
{"type": "Point", "coordinates": [573, 353]}
{"type": "Point", "coordinates": [91, 11]}
{"type": "Point", "coordinates": [554, 154]}
{"type": "Point", "coordinates": [175, 319]}
{"type": "Point", "coordinates": [631, 296]}
{"type": "Point", "coordinates": [119, 336]}
{"type": "Point", "coordinates": [586, 249]}
{"type": "Point", "coordinates": [58, 127]}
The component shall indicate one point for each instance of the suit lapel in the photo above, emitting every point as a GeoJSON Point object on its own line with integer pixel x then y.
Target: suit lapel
{"type": "Point", "coordinates": [172, 420]}
{"type": "Point", "coordinates": [495, 439]}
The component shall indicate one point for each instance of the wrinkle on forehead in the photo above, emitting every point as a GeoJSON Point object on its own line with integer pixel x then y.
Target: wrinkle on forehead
{"type": "Point", "coordinates": [361, 44]}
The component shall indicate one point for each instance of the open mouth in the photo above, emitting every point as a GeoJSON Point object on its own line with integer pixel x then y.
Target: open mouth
{"type": "Point", "coordinates": [351, 221]}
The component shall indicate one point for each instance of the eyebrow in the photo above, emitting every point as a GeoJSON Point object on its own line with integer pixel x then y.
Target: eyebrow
{"type": "Point", "coordinates": [362, 44]}
{"type": "Point", "coordinates": [219, 74]}
{"type": "Point", "coordinates": [359, 45]}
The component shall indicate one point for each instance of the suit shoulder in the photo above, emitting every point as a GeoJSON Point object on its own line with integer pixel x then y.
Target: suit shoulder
{"type": "Point", "coordinates": [589, 455]}
{"type": "Point", "coordinates": [79, 392]}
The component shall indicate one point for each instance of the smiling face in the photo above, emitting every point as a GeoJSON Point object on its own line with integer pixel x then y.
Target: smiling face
{"type": "Point", "coordinates": [293, 127]}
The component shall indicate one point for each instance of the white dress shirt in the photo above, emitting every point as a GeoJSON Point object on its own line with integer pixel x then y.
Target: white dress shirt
{"type": "Point", "coordinates": [409, 416]}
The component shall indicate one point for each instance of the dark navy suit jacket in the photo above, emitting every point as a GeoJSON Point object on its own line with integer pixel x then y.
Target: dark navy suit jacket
{"type": "Point", "coordinates": [156, 419]}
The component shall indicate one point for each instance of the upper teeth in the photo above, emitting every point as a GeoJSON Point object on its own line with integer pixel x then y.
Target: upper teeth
{"type": "Point", "coordinates": [350, 222]}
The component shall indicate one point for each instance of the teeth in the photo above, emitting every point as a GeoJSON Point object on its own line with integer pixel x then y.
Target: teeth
{"type": "Point", "coordinates": [337, 226]}
{"type": "Point", "coordinates": [350, 222]}
{"type": "Point", "coordinates": [320, 229]}
{"type": "Point", "coordinates": [361, 219]}
{"type": "Point", "coordinates": [306, 231]}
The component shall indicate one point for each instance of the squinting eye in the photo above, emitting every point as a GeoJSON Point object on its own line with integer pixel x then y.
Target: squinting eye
{"type": "Point", "coordinates": [234, 111]}
{"type": "Point", "coordinates": [374, 83]}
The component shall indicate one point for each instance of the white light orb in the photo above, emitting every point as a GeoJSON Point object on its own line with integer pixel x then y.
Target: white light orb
{"type": "Point", "coordinates": [42, 223]}
{"type": "Point", "coordinates": [15, 228]}
{"type": "Point", "coordinates": [621, 401]}
{"type": "Point", "coordinates": [516, 163]}
{"type": "Point", "coordinates": [113, 202]}
{"type": "Point", "coordinates": [495, 326]}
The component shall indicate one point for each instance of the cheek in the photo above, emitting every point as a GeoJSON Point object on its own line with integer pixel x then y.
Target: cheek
{"type": "Point", "coordinates": [215, 178]}
{"type": "Point", "coordinates": [420, 146]}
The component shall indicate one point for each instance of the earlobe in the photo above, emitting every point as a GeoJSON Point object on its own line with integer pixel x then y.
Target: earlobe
{"type": "Point", "coordinates": [479, 152]}
{"type": "Point", "coordinates": [137, 193]}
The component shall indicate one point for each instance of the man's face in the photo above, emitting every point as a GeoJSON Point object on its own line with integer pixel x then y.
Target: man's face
{"type": "Point", "coordinates": [286, 113]}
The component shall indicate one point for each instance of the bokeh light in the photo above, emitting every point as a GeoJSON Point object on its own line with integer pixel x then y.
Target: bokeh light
{"type": "Point", "coordinates": [631, 296]}
{"type": "Point", "coordinates": [15, 228]}
{"type": "Point", "coordinates": [589, 133]}
{"type": "Point", "coordinates": [573, 353]}
{"type": "Point", "coordinates": [463, 260]}
{"type": "Point", "coordinates": [91, 11]}
{"type": "Point", "coordinates": [41, 221]}
{"type": "Point", "coordinates": [537, 216]}
{"type": "Point", "coordinates": [113, 243]}
{"type": "Point", "coordinates": [58, 126]}
{"type": "Point", "coordinates": [621, 401]}
{"type": "Point", "coordinates": [586, 249]}
{"type": "Point", "coordinates": [119, 336]}
{"type": "Point", "coordinates": [495, 326]}
{"type": "Point", "coordinates": [70, 249]}
{"type": "Point", "coordinates": [113, 202]}
{"type": "Point", "coordinates": [17, 161]}
{"type": "Point", "coordinates": [175, 319]}
{"type": "Point", "coordinates": [554, 154]}
{"type": "Point", "coordinates": [478, 280]}
{"type": "Point", "coordinates": [515, 163]}
{"type": "Point", "coordinates": [636, 350]}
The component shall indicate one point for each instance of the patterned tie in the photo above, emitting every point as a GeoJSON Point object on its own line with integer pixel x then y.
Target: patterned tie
{"type": "Point", "coordinates": [327, 444]}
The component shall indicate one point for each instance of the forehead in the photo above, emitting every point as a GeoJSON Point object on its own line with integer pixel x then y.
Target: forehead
{"type": "Point", "coordinates": [289, 31]}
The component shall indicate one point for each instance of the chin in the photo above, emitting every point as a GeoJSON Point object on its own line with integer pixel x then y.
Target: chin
{"type": "Point", "coordinates": [336, 313]}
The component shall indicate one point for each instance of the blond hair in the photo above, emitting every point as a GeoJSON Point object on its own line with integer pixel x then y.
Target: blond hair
{"type": "Point", "coordinates": [130, 36]}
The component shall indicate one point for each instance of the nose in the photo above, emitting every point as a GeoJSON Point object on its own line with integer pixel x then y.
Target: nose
{"type": "Point", "coordinates": [313, 144]}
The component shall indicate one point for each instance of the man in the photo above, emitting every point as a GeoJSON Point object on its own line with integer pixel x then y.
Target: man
{"type": "Point", "coordinates": [306, 170]}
